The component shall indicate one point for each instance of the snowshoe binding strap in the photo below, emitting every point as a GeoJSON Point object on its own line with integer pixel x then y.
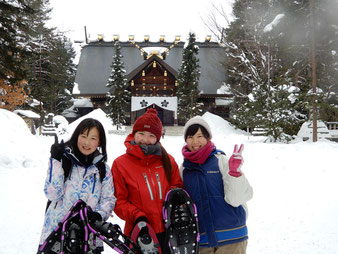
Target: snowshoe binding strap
{"type": "Point", "coordinates": [145, 237]}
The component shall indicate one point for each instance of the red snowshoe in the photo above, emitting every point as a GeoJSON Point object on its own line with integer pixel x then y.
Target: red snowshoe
{"type": "Point", "coordinates": [144, 236]}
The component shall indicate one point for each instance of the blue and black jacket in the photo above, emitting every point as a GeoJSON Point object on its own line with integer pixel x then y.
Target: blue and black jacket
{"type": "Point", "coordinates": [219, 222]}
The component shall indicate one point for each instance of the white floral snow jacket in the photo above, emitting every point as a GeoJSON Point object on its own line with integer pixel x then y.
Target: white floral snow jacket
{"type": "Point", "coordinates": [83, 183]}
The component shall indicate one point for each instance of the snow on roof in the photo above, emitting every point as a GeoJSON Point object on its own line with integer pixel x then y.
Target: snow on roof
{"type": "Point", "coordinates": [83, 103]}
{"type": "Point", "coordinates": [60, 119]}
{"type": "Point", "coordinates": [224, 89]}
{"type": "Point", "coordinates": [34, 103]}
{"type": "Point", "coordinates": [70, 114]}
{"type": "Point", "coordinates": [154, 50]}
{"type": "Point", "coordinates": [223, 102]}
{"type": "Point", "coordinates": [274, 23]}
{"type": "Point", "coordinates": [27, 113]}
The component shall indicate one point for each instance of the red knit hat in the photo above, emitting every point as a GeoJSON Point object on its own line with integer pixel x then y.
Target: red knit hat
{"type": "Point", "coordinates": [149, 121]}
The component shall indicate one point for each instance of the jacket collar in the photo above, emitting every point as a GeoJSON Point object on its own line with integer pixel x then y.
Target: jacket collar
{"type": "Point", "coordinates": [136, 151]}
{"type": "Point", "coordinates": [97, 157]}
{"type": "Point", "coordinates": [192, 165]}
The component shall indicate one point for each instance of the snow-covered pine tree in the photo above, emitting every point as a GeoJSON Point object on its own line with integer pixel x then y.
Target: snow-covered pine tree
{"type": "Point", "coordinates": [51, 67]}
{"type": "Point", "coordinates": [246, 58]}
{"type": "Point", "coordinates": [326, 43]}
{"type": "Point", "coordinates": [296, 48]}
{"type": "Point", "coordinates": [62, 75]}
{"type": "Point", "coordinates": [13, 20]}
{"type": "Point", "coordinates": [258, 70]}
{"type": "Point", "coordinates": [188, 78]}
{"type": "Point", "coordinates": [118, 97]}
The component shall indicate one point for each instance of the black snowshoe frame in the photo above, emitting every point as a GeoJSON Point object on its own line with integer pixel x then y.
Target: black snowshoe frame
{"type": "Point", "coordinates": [77, 234]}
{"type": "Point", "coordinates": [181, 222]}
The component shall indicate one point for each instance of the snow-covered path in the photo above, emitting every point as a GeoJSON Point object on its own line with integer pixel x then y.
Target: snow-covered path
{"type": "Point", "coordinates": [294, 209]}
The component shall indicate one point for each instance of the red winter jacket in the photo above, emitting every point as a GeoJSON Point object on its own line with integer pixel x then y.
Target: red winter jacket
{"type": "Point", "coordinates": [141, 186]}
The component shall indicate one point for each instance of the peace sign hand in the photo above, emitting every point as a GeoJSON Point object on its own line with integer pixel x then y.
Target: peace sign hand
{"type": "Point", "coordinates": [57, 149]}
{"type": "Point", "coordinates": [236, 161]}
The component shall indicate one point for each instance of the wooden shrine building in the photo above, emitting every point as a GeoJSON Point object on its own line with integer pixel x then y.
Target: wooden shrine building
{"type": "Point", "coordinates": [151, 69]}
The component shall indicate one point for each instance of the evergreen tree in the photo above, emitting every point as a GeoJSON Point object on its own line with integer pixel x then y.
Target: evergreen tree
{"type": "Point", "coordinates": [254, 70]}
{"type": "Point", "coordinates": [118, 95]}
{"type": "Point", "coordinates": [297, 54]}
{"type": "Point", "coordinates": [326, 44]}
{"type": "Point", "coordinates": [52, 71]}
{"type": "Point", "coordinates": [61, 69]}
{"type": "Point", "coordinates": [35, 60]}
{"type": "Point", "coordinates": [12, 39]}
{"type": "Point", "coordinates": [13, 50]}
{"type": "Point", "coordinates": [269, 65]}
{"type": "Point", "coordinates": [188, 77]}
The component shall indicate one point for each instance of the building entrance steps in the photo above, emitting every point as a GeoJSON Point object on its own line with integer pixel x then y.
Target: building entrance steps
{"type": "Point", "coordinates": [169, 130]}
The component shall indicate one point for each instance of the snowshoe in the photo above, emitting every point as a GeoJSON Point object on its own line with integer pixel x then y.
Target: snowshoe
{"type": "Point", "coordinates": [57, 238]}
{"type": "Point", "coordinates": [75, 234]}
{"type": "Point", "coordinates": [181, 222]}
{"type": "Point", "coordinates": [145, 237]}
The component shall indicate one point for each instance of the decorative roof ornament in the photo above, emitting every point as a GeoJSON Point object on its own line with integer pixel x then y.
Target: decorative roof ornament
{"type": "Point", "coordinates": [132, 41]}
{"type": "Point", "coordinates": [177, 40]}
{"type": "Point", "coordinates": [116, 37]}
{"type": "Point", "coordinates": [146, 55]}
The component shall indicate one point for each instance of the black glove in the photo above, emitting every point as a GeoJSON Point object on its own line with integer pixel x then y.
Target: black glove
{"type": "Point", "coordinates": [93, 216]}
{"type": "Point", "coordinates": [56, 150]}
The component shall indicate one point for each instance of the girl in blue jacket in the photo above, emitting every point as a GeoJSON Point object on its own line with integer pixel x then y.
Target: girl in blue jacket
{"type": "Point", "coordinates": [219, 189]}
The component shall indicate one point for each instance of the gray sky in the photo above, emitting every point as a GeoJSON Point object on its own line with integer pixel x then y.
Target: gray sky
{"type": "Point", "coordinates": [133, 17]}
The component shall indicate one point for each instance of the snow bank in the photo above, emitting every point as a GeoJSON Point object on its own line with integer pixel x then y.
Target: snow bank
{"type": "Point", "coordinates": [27, 113]}
{"type": "Point", "coordinates": [294, 208]}
{"type": "Point", "coordinates": [13, 126]}
{"type": "Point", "coordinates": [219, 125]}
{"type": "Point", "coordinates": [306, 130]}
{"type": "Point", "coordinates": [16, 141]}
{"type": "Point", "coordinates": [97, 114]}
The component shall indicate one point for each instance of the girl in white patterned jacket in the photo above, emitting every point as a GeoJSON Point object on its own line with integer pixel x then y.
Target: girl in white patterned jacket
{"type": "Point", "coordinates": [78, 170]}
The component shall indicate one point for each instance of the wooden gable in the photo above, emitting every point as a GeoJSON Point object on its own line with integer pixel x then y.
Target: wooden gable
{"type": "Point", "coordinates": [153, 78]}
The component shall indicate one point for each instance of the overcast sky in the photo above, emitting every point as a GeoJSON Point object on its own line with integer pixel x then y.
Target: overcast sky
{"type": "Point", "coordinates": [133, 17]}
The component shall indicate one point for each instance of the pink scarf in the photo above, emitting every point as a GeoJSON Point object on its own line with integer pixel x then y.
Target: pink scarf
{"type": "Point", "coordinates": [199, 156]}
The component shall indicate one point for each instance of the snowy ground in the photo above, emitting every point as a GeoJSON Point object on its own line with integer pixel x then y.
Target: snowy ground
{"type": "Point", "coordinates": [294, 209]}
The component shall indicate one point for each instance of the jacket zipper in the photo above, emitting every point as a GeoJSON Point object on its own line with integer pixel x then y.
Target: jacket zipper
{"type": "Point", "coordinates": [84, 175]}
{"type": "Point", "coordinates": [148, 185]}
{"type": "Point", "coordinates": [94, 183]}
{"type": "Point", "coordinates": [159, 184]}
{"type": "Point", "coordinates": [51, 169]}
